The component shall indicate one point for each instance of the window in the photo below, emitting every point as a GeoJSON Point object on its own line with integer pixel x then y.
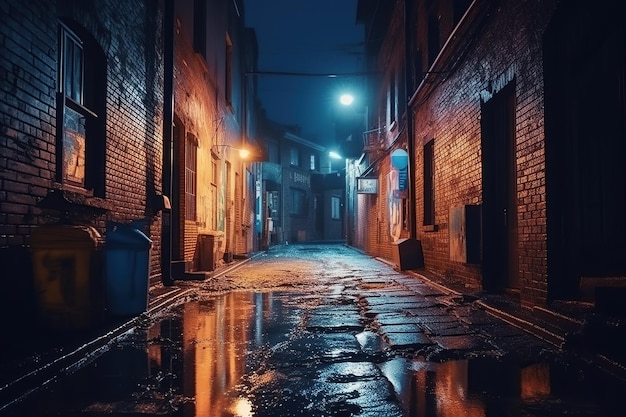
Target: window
{"type": "Point", "coordinates": [228, 76]}
{"type": "Point", "coordinates": [335, 208]}
{"type": "Point", "coordinates": [81, 88]}
{"type": "Point", "coordinates": [294, 157]}
{"type": "Point", "coordinates": [429, 183]}
{"type": "Point", "coordinates": [298, 202]}
{"type": "Point", "coordinates": [213, 197]}
{"type": "Point", "coordinates": [200, 26]}
{"type": "Point", "coordinates": [434, 42]}
{"type": "Point", "coordinates": [392, 98]}
{"type": "Point", "coordinates": [191, 151]}
{"type": "Point", "coordinates": [313, 164]}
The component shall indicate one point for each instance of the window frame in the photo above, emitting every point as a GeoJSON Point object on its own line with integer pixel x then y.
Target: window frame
{"type": "Point", "coordinates": [429, 183]}
{"type": "Point", "coordinates": [191, 177]}
{"type": "Point", "coordinates": [298, 202]}
{"type": "Point", "coordinates": [81, 105]}
{"type": "Point", "coordinates": [335, 207]}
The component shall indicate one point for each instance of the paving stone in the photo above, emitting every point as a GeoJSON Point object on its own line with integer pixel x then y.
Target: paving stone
{"type": "Point", "coordinates": [429, 312]}
{"type": "Point", "coordinates": [404, 340]}
{"type": "Point", "coordinates": [401, 328]}
{"type": "Point", "coordinates": [465, 342]}
{"type": "Point", "coordinates": [331, 323]}
{"type": "Point", "coordinates": [398, 318]}
{"type": "Point", "coordinates": [371, 342]}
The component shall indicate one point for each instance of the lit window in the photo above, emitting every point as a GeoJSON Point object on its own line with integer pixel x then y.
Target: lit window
{"type": "Point", "coordinates": [313, 165]}
{"type": "Point", "coordinates": [81, 87]}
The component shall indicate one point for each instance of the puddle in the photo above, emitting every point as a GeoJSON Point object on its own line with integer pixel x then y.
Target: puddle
{"type": "Point", "coordinates": [193, 361]}
{"type": "Point", "coordinates": [185, 365]}
{"type": "Point", "coordinates": [489, 387]}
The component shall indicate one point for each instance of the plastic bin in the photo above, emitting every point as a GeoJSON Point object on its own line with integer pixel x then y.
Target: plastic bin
{"type": "Point", "coordinates": [127, 270]}
{"type": "Point", "coordinates": [67, 270]}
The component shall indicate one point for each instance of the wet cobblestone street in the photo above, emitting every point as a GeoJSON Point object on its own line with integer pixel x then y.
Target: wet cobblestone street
{"type": "Point", "coordinates": [323, 330]}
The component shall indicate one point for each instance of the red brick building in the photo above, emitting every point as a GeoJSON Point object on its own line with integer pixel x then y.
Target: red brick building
{"type": "Point", "coordinates": [212, 186]}
{"type": "Point", "coordinates": [126, 112]}
{"type": "Point", "coordinates": [513, 118]}
{"type": "Point", "coordinates": [81, 106]}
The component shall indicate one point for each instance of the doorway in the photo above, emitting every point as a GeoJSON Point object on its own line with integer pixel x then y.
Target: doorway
{"type": "Point", "coordinates": [499, 224]}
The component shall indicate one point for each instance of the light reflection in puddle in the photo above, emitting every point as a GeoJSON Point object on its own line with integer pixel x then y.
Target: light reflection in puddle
{"type": "Point", "coordinates": [186, 364]}
{"type": "Point", "coordinates": [190, 363]}
{"type": "Point", "coordinates": [216, 336]}
{"type": "Point", "coordinates": [489, 387]}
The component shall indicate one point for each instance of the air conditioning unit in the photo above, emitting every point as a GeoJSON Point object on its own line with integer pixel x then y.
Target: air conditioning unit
{"type": "Point", "coordinates": [465, 234]}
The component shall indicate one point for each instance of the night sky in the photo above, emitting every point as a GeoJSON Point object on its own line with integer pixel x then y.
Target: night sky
{"type": "Point", "coordinates": [306, 37]}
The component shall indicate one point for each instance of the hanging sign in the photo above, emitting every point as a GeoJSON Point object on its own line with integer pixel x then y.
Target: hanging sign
{"type": "Point", "coordinates": [367, 185]}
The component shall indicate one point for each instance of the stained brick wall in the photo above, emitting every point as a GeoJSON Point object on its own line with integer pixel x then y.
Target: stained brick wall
{"type": "Point", "coordinates": [129, 34]}
{"type": "Point", "coordinates": [506, 48]}
{"type": "Point", "coordinates": [502, 46]}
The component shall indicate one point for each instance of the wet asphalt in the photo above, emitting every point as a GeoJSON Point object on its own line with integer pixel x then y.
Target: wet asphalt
{"type": "Point", "coordinates": [322, 330]}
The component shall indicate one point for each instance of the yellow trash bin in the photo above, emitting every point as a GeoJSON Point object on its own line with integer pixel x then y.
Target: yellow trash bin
{"type": "Point", "coordinates": [67, 268]}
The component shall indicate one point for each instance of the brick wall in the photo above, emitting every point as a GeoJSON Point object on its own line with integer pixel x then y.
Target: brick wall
{"type": "Point", "coordinates": [506, 48]}
{"type": "Point", "coordinates": [128, 32]}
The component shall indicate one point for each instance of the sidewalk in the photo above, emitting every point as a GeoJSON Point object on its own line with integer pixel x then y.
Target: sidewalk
{"type": "Point", "coordinates": [597, 338]}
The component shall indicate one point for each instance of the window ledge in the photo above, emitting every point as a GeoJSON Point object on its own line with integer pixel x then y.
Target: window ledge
{"type": "Point", "coordinates": [73, 201]}
{"type": "Point", "coordinates": [431, 228]}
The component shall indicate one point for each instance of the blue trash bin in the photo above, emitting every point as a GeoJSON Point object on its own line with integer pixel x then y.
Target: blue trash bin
{"type": "Point", "coordinates": [127, 258]}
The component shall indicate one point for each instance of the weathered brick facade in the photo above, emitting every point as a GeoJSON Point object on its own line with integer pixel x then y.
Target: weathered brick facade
{"type": "Point", "coordinates": [209, 107]}
{"type": "Point", "coordinates": [478, 105]}
{"type": "Point", "coordinates": [450, 114]}
{"type": "Point", "coordinates": [123, 164]}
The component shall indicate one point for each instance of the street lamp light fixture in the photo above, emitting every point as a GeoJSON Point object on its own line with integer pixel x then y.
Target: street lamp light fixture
{"type": "Point", "coordinates": [346, 99]}
{"type": "Point", "coordinates": [334, 155]}
{"type": "Point", "coordinates": [243, 153]}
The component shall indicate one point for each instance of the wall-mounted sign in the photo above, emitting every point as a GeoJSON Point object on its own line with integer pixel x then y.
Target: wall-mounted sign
{"type": "Point", "coordinates": [367, 185]}
{"type": "Point", "coordinates": [400, 161]}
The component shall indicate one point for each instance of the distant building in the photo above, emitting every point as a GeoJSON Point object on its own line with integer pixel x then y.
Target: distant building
{"type": "Point", "coordinates": [300, 203]}
{"type": "Point", "coordinates": [512, 117]}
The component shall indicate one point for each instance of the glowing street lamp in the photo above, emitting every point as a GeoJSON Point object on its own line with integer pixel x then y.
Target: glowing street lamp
{"type": "Point", "coordinates": [243, 153]}
{"type": "Point", "coordinates": [334, 155]}
{"type": "Point", "coordinates": [346, 99]}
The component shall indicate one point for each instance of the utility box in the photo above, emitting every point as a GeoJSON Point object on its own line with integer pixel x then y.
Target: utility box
{"type": "Point", "coordinates": [127, 270]}
{"type": "Point", "coordinates": [408, 254]}
{"type": "Point", "coordinates": [67, 269]}
{"type": "Point", "coordinates": [208, 251]}
{"type": "Point", "coordinates": [465, 234]}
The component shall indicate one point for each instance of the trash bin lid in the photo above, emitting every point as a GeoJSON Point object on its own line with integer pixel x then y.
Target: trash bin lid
{"type": "Point", "coordinates": [53, 236]}
{"type": "Point", "coordinates": [127, 237]}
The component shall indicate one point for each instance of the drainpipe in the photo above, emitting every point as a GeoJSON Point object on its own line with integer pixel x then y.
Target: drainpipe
{"type": "Point", "coordinates": [409, 118]}
{"type": "Point", "coordinates": [168, 136]}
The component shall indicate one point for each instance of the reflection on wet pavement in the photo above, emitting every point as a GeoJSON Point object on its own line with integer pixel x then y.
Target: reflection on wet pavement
{"type": "Point", "coordinates": [275, 354]}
